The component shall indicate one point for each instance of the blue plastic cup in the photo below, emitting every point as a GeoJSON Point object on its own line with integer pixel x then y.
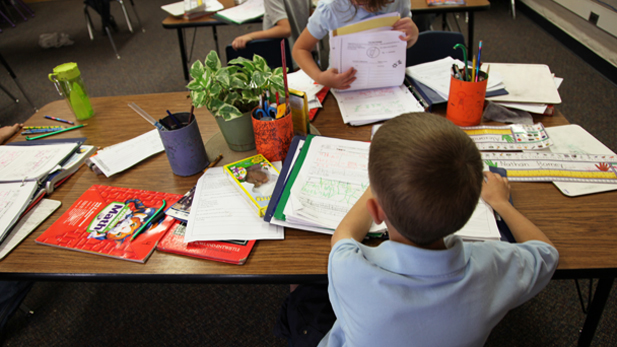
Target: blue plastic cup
{"type": "Point", "coordinates": [184, 147]}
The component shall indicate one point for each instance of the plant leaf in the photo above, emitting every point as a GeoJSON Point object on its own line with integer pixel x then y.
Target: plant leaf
{"type": "Point", "coordinates": [197, 69]}
{"type": "Point", "coordinates": [260, 78]}
{"type": "Point", "coordinates": [223, 77]}
{"type": "Point", "coordinates": [237, 83]}
{"type": "Point", "coordinates": [212, 61]}
{"type": "Point", "coordinates": [229, 112]}
{"type": "Point", "coordinates": [249, 95]}
{"type": "Point", "coordinates": [231, 98]}
{"type": "Point", "coordinates": [260, 63]}
{"type": "Point", "coordinates": [195, 85]}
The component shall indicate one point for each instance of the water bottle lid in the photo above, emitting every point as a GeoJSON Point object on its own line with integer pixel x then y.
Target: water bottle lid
{"type": "Point", "coordinates": [65, 72]}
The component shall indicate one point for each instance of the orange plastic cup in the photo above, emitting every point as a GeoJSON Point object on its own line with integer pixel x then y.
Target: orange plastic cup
{"type": "Point", "coordinates": [273, 138]}
{"type": "Point", "coordinates": [466, 101]}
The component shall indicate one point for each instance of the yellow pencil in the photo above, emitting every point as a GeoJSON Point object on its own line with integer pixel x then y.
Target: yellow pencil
{"type": "Point", "coordinates": [473, 69]}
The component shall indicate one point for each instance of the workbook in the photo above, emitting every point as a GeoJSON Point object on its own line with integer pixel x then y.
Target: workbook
{"type": "Point", "coordinates": [233, 252]}
{"type": "Point", "coordinates": [373, 49]}
{"type": "Point", "coordinates": [121, 223]}
{"type": "Point", "coordinates": [326, 177]}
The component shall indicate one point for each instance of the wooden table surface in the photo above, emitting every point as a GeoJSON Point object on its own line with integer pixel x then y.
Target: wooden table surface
{"type": "Point", "coordinates": [580, 227]}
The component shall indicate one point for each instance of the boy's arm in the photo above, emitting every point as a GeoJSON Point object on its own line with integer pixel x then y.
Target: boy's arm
{"type": "Point", "coordinates": [282, 29]}
{"type": "Point", "coordinates": [496, 192]}
{"type": "Point", "coordinates": [356, 223]}
{"type": "Point", "coordinates": [330, 78]}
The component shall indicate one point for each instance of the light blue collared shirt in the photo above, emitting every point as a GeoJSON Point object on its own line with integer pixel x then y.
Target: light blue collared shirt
{"type": "Point", "coordinates": [399, 295]}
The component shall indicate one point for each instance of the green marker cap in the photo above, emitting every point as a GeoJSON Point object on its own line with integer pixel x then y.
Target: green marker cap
{"type": "Point", "coordinates": [65, 72]}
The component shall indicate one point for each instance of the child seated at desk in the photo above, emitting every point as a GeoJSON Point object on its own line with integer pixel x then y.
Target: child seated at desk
{"type": "Point", "coordinates": [282, 19]}
{"type": "Point", "coordinates": [333, 14]}
{"type": "Point", "coordinates": [425, 286]}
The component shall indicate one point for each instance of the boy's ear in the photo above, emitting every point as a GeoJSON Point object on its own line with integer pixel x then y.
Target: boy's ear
{"type": "Point", "coordinates": [375, 210]}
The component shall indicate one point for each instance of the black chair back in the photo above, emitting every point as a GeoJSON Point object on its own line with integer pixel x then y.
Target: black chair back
{"type": "Point", "coordinates": [269, 49]}
{"type": "Point", "coordinates": [435, 45]}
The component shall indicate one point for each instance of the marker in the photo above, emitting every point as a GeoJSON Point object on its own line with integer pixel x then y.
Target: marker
{"type": "Point", "coordinates": [143, 226]}
{"type": "Point", "coordinates": [462, 47]}
{"type": "Point", "coordinates": [59, 119]}
{"type": "Point", "coordinates": [473, 70]}
{"type": "Point", "coordinates": [54, 133]}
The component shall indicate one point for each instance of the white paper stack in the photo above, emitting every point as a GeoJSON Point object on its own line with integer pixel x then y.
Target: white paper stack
{"type": "Point", "coordinates": [362, 107]}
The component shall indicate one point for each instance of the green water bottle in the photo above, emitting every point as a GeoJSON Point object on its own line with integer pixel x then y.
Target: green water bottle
{"type": "Point", "coordinates": [68, 82]}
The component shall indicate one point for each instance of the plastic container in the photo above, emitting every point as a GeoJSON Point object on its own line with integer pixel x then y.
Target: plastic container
{"type": "Point", "coordinates": [68, 82]}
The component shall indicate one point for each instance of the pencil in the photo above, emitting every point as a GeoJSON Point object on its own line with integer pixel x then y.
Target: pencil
{"type": "Point", "coordinates": [55, 132]}
{"type": "Point", "coordinates": [214, 162]}
{"type": "Point", "coordinates": [59, 119]}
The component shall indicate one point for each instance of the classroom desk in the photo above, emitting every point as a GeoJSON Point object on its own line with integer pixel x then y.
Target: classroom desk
{"type": "Point", "coordinates": [417, 6]}
{"type": "Point", "coordinates": [420, 7]}
{"type": "Point", "coordinates": [581, 227]}
{"type": "Point", "coordinates": [180, 24]}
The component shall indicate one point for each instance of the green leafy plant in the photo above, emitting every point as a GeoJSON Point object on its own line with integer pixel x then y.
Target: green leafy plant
{"type": "Point", "coordinates": [230, 91]}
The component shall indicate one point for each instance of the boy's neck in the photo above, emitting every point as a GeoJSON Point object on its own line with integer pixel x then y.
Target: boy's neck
{"type": "Point", "coordinates": [397, 237]}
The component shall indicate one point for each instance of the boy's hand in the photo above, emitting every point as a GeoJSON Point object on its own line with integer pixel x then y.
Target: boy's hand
{"type": "Point", "coordinates": [495, 189]}
{"type": "Point", "coordinates": [409, 28]}
{"type": "Point", "coordinates": [331, 78]}
{"type": "Point", "coordinates": [241, 41]}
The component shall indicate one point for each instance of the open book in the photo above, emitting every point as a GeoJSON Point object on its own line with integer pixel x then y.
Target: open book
{"type": "Point", "coordinates": [326, 176]}
{"type": "Point", "coordinates": [373, 49]}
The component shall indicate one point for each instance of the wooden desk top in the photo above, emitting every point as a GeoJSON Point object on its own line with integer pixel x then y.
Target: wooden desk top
{"type": "Point", "coordinates": [581, 227]}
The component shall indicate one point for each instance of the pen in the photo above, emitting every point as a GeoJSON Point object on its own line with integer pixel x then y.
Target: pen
{"type": "Point", "coordinates": [214, 162]}
{"type": "Point", "coordinates": [55, 132]}
{"type": "Point", "coordinates": [143, 226]}
{"type": "Point", "coordinates": [59, 119]}
{"type": "Point", "coordinates": [174, 119]}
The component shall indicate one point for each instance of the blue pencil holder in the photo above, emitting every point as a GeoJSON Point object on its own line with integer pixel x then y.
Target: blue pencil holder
{"type": "Point", "coordinates": [184, 147]}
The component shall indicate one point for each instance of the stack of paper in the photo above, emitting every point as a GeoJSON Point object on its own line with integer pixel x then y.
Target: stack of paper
{"type": "Point", "coordinates": [531, 87]}
{"type": "Point", "coordinates": [373, 49]}
{"type": "Point", "coordinates": [178, 9]}
{"type": "Point", "coordinates": [375, 105]}
{"type": "Point", "coordinates": [121, 156]}
{"type": "Point", "coordinates": [218, 212]}
{"type": "Point", "coordinates": [327, 176]}
{"type": "Point", "coordinates": [437, 74]}
{"type": "Point", "coordinates": [299, 80]}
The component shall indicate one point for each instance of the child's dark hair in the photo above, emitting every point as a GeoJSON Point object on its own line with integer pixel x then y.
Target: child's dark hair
{"type": "Point", "coordinates": [426, 174]}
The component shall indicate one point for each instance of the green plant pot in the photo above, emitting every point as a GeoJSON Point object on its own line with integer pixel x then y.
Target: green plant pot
{"type": "Point", "coordinates": [238, 133]}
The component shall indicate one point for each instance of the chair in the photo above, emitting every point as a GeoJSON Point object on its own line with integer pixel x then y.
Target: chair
{"type": "Point", "coordinates": [14, 77]}
{"type": "Point", "coordinates": [435, 45]}
{"type": "Point", "coordinates": [269, 49]}
{"type": "Point", "coordinates": [107, 24]}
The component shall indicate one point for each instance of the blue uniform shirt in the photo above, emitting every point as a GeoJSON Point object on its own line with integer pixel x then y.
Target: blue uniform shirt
{"type": "Point", "coordinates": [333, 14]}
{"type": "Point", "coordinates": [399, 295]}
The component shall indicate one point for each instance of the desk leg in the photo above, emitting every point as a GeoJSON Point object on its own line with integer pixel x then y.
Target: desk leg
{"type": "Point", "coordinates": [595, 311]}
{"type": "Point", "coordinates": [216, 40]}
{"type": "Point", "coordinates": [185, 67]}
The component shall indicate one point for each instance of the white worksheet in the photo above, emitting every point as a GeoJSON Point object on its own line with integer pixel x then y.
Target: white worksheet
{"type": "Point", "coordinates": [220, 213]}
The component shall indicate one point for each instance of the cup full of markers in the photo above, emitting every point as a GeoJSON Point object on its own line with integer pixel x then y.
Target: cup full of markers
{"type": "Point", "coordinates": [273, 127]}
{"type": "Point", "coordinates": [467, 91]}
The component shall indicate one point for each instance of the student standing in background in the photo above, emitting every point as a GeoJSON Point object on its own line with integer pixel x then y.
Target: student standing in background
{"type": "Point", "coordinates": [333, 14]}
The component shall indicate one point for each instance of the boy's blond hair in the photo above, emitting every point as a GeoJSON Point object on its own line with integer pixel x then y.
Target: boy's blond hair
{"type": "Point", "coordinates": [426, 174]}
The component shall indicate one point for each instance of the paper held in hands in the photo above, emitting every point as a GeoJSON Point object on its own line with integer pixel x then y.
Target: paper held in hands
{"type": "Point", "coordinates": [373, 49]}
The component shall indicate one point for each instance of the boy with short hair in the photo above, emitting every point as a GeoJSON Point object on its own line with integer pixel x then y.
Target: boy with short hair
{"type": "Point", "coordinates": [426, 287]}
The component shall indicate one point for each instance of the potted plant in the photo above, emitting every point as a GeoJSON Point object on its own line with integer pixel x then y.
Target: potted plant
{"type": "Point", "coordinates": [230, 93]}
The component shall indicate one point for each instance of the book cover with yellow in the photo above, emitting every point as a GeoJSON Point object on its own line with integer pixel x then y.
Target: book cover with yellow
{"type": "Point", "coordinates": [255, 178]}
